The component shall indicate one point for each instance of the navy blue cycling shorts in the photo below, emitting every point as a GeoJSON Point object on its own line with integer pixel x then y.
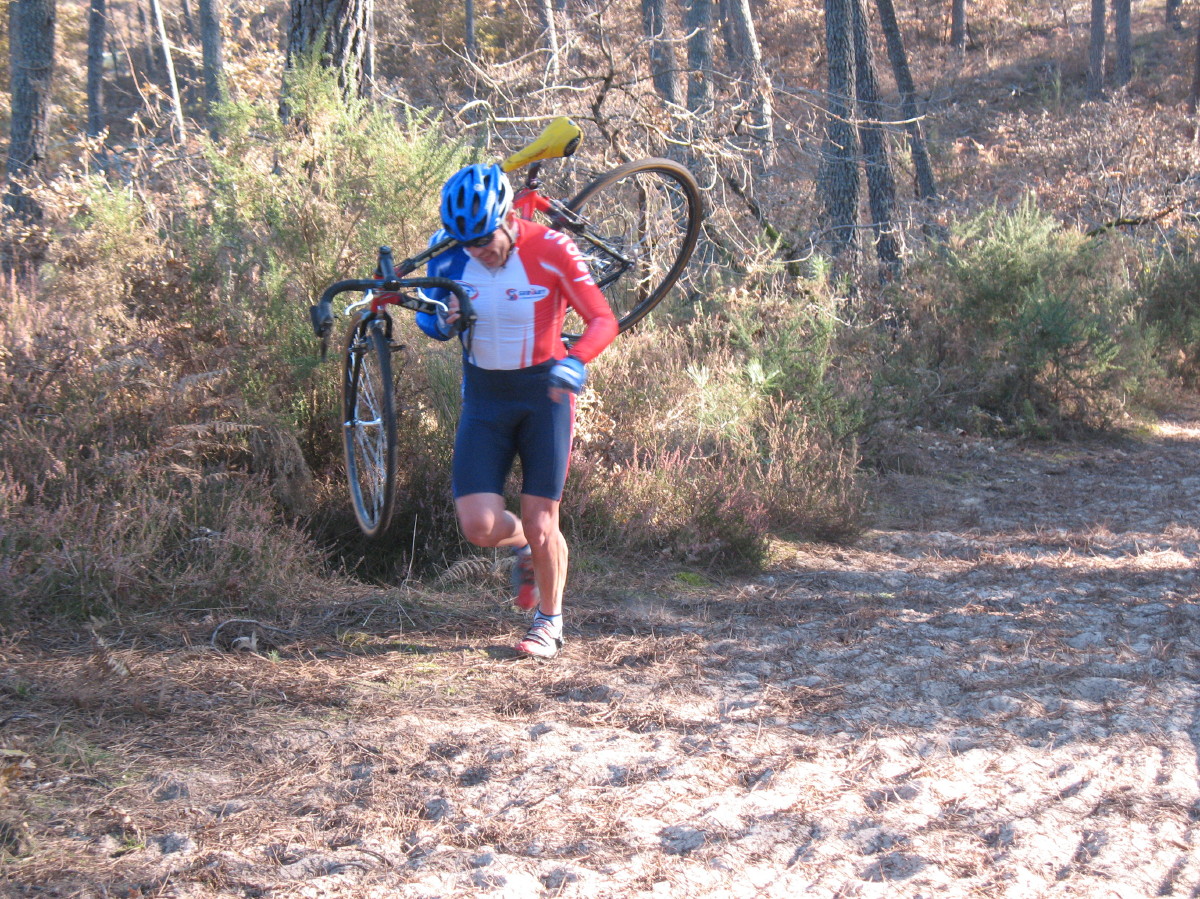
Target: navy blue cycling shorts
{"type": "Point", "coordinates": [506, 414]}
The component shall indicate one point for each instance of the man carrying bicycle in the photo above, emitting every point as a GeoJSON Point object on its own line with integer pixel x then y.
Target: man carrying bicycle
{"type": "Point", "coordinates": [519, 381]}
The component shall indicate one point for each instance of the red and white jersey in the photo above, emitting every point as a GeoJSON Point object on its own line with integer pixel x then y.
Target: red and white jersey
{"type": "Point", "coordinates": [521, 306]}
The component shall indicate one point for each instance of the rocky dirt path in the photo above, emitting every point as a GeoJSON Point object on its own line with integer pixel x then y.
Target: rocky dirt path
{"type": "Point", "coordinates": [994, 693]}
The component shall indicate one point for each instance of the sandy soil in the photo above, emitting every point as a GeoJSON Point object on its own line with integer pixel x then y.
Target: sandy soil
{"type": "Point", "coordinates": [994, 693]}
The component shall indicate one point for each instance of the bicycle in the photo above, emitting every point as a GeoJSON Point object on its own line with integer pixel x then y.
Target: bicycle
{"type": "Point", "coordinates": [636, 226]}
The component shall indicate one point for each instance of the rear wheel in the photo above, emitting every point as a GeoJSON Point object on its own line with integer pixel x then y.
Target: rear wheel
{"type": "Point", "coordinates": [369, 425]}
{"type": "Point", "coordinates": [637, 226]}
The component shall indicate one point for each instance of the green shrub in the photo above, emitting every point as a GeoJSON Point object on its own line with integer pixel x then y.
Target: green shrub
{"type": "Point", "coordinates": [998, 255]}
{"type": "Point", "coordinates": [296, 207]}
{"type": "Point", "coordinates": [1019, 326]}
{"type": "Point", "coordinates": [1171, 285]}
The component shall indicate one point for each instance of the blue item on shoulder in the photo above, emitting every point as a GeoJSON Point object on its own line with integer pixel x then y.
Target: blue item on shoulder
{"type": "Point", "coordinates": [448, 264]}
{"type": "Point", "coordinates": [569, 374]}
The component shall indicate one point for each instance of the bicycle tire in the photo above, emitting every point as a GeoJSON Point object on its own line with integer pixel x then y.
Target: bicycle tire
{"type": "Point", "coordinates": [650, 211]}
{"type": "Point", "coordinates": [369, 425]}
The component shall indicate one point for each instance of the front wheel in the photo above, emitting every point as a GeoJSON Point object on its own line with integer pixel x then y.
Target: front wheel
{"type": "Point", "coordinates": [369, 424]}
{"type": "Point", "coordinates": [637, 226]}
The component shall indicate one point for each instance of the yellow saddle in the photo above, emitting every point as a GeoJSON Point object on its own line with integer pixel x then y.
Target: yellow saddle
{"type": "Point", "coordinates": [559, 138]}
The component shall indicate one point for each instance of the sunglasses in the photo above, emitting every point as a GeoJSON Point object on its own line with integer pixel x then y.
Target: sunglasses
{"type": "Point", "coordinates": [479, 242]}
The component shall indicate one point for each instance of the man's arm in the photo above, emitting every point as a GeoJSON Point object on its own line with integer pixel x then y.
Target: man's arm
{"type": "Point", "coordinates": [438, 326]}
{"type": "Point", "coordinates": [585, 298]}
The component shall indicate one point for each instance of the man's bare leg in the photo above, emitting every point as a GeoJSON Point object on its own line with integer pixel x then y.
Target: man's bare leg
{"type": "Point", "coordinates": [485, 521]}
{"type": "Point", "coordinates": [539, 520]}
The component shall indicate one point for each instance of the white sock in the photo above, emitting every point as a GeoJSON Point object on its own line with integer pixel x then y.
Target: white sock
{"type": "Point", "coordinates": [555, 622]}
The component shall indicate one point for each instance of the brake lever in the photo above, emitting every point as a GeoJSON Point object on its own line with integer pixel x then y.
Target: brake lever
{"type": "Point", "coordinates": [322, 325]}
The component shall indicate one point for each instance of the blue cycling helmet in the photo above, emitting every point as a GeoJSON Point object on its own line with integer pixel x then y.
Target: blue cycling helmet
{"type": "Point", "coordinates": [475, 201]}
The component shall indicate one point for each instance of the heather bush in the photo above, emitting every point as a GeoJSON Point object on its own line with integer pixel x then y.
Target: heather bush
{"type": "Point", "coordinates": [126, 485]}
{"type": "Point", "coordinates": [703, 440]}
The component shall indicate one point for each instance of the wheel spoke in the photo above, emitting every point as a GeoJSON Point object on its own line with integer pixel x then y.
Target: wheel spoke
{"type": "Point", "coordinates": [636, 227]}
{"type": "Point", "coordinates": [370, 429]}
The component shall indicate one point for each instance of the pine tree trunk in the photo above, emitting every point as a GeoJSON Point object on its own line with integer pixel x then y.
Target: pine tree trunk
{"type": "Point", "coordinates": [958, 24]}
{"type": "Point", "coordinates": [168, 63]}
{"type": "Point", "coordinates": [662, 54]}
{"type": "Point", "coordinates": [755, 85]}
{"type": "Point", "coordinates": [367, 88]}
{"type": "Point", "coordinates": [472, 47]}
{"type": "Point", "coordinates": [839, 174]}
{"type": "Point", "coordinates": [550, 34]}
{"type": "Point", "coordinates": [1174, 22]}
{"type": "Point", "coordinates": [926, 184]}
{"type": "Point", "coordinates": [1095, 73]}
{"type": "Point", "coordinates": [97, 28]}
{"type": "Point", "coordinates": [31, 30]}
{"type": "Point", "coordinates": [881, 184]}
{"type": "Point", "coordinates": [1194, 98]}
{"type": "Point", "coordinates": [1123, 28]}
{"type": "Point", "coordinates": [211, 49]}
{"type": "Point", "coordinates": [339, 33]}
{"type": "Point", "coordinates": [698, 23]}
{"type": "Point", "coordinates": [149, 56]}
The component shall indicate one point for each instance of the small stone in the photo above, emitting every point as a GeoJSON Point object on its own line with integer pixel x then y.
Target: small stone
{"type": "Point", "coordinates": [171, 843]}
{"type": "Point", "coordinates": [681, 840]}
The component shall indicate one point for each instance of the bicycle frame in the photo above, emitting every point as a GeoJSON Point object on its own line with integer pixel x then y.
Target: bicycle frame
{"type": "Point", "coordinates": [529, 201]}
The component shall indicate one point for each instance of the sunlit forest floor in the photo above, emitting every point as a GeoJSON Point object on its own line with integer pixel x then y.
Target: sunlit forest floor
{"type": "Point", "coordinates": [994, 693]}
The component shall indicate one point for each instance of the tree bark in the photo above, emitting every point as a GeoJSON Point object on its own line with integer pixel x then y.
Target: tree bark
{"type": "Point", "coordinates": [698, 22]}
{"type": "Point", "coordinates": [1174, 22]}
{"type": "Point", "coordinates": [881, 184]}
{"type": "Point", "coordinates": [212, 53]}
{"type": "Point", "coordinates": [1123, 28]}
{"type": "Point", "coordinates": [958, 24]}
{"type": "Point", "coordinates": [148, 54]}
{"type": "Point", "coordinates": [1095, 73]}
{"type": "Point", "coordinates": [926, 183]}
{"type": "Point", "coordinates": [31, 58]}
{"type": "Point", "coordinates": [662, 54]}
{"type": "Point", "coordinates": [550, 35]}
{"type": "Point", "coordinates": [754, 84]}
{"type": "Point", "coordinates": [839, 176]}
{"type": "Point", "coordinates": [97, 28]}
{"type": "Point", "coordinates": [472, 48]}
{"type": "Point", "coordinates": [368, 62]}
{"type": "Point", "coordinates": [1194, 99]}
{"type": "Point", "coordinates": [338, 31]}
{"type": "Point", "coordinates": [31, 52]}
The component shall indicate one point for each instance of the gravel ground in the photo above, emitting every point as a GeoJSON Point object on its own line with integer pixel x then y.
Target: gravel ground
{"type": "Point", "coordinates": [993, 693]}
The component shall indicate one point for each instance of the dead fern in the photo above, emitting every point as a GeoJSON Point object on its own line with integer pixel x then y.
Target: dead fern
{"type": "Point", "coordinates": [105, 660]}
{"type": "Point", "coordinates": [200, 379]}
{"type": "Point", "coordinates": [477, 570]}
